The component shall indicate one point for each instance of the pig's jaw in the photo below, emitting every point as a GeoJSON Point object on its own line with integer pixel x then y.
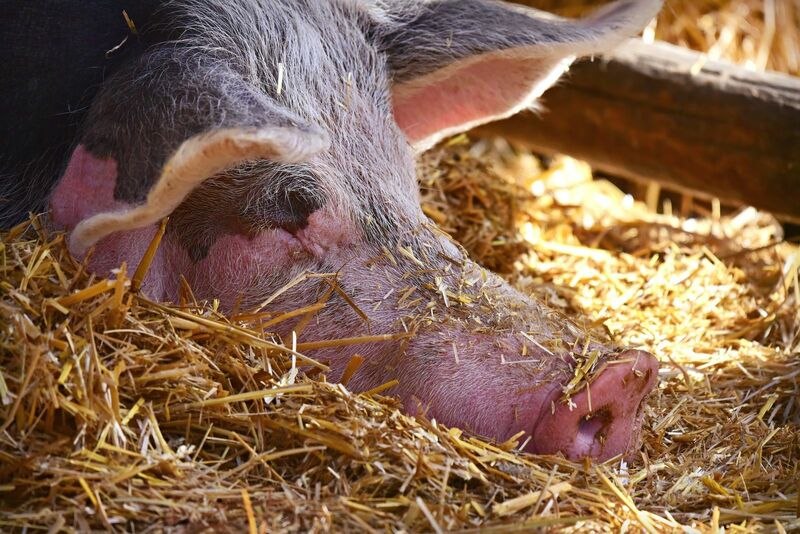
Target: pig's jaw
{"type": "Point", "coordinates": [505, 375]}
{"type": "Point", "coordinates": [482, 408]}
{"type": "Point", "coordinates": [468, 380]}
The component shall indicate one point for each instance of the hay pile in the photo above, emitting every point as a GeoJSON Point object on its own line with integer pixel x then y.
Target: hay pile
{"type": "Point", "coordinates": [759, 34]}
{"type": "Point", "coordinates": [122, 414]}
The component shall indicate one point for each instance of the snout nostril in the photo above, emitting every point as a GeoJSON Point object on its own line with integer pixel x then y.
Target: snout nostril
{"type": "Point", "coordinates": [592, 429]}
{"type": "Point", "coordinates": [589, 428]}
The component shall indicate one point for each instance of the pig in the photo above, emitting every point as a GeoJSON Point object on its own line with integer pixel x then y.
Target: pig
{"type": "Point", "coordinates": [280, 137]}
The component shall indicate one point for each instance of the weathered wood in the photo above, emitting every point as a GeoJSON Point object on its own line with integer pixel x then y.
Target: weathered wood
{"type": "Point", "coordinates": [656, 111]}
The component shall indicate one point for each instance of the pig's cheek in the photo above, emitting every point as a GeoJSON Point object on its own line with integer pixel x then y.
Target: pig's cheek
{"type": "Point", "coordinates": [237, 254]}
{"type": "Point", "coordinates": [236, 265]}
{"type": "Point", "coordinates": [129, 247]}
{"type": "Point", "coordinates": [235, 262]}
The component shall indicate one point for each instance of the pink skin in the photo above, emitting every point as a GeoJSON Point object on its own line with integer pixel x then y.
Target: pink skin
{"type": "Point", "coordinates": [235, 261]}
{"type": "Point", "coordinates": [495, 383]}
{"type": "Point", "coordinates": [604, 419]}
{"type": "Point", "coordinates": [467, 94]}
{"type": "Point", "coordinates": [499, 405]}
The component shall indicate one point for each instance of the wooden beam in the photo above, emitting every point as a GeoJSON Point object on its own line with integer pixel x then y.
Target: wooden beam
{"type": "Point", "coordinates": [656, 111]}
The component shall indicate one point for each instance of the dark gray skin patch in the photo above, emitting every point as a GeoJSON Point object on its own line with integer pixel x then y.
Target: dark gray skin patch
{"type": "Point", "coordinates": [415, 48]}
{"type": "Point", "coordinates": [144, 113]}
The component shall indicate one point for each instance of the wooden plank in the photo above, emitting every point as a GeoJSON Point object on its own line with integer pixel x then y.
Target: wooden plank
{"type": "Point", "coordinates": [656, 111]}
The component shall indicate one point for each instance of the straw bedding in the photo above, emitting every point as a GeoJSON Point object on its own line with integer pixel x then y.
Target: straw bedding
{"type": "Point", "coordinates": [759, 34]}
{"type": "Point", "coordinates": [123, 414]}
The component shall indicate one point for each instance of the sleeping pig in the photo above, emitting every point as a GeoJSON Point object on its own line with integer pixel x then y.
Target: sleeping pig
{"type": "Point", "coordinates": [279, 137]}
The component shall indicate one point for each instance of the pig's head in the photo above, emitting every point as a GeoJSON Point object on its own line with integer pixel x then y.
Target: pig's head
{"type": "Point", "coordinates": [280, 136]}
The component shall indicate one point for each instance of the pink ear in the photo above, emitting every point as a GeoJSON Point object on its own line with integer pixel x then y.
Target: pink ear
{"type": "Point", "coordinates": [472, 92]}
{"type": "Point", "coordinates": [496, 59]}
{"type": "Point", "coordinates": [85, 189]}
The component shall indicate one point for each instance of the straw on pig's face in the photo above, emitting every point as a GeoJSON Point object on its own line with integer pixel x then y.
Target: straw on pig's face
{"type": "Point", "coordinates": [274, 158]}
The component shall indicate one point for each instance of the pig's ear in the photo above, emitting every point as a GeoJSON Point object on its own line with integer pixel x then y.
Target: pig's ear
{"type": "Point", "coordinates": [168, 124]}
{"type": "Point", "coordinates": [460, 63]}
{"type": "Point", "coordinates": [197, 159]}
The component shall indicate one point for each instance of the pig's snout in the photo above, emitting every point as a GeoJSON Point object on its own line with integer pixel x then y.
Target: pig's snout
{"type": "Point", "coordinates": [605, 418]}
